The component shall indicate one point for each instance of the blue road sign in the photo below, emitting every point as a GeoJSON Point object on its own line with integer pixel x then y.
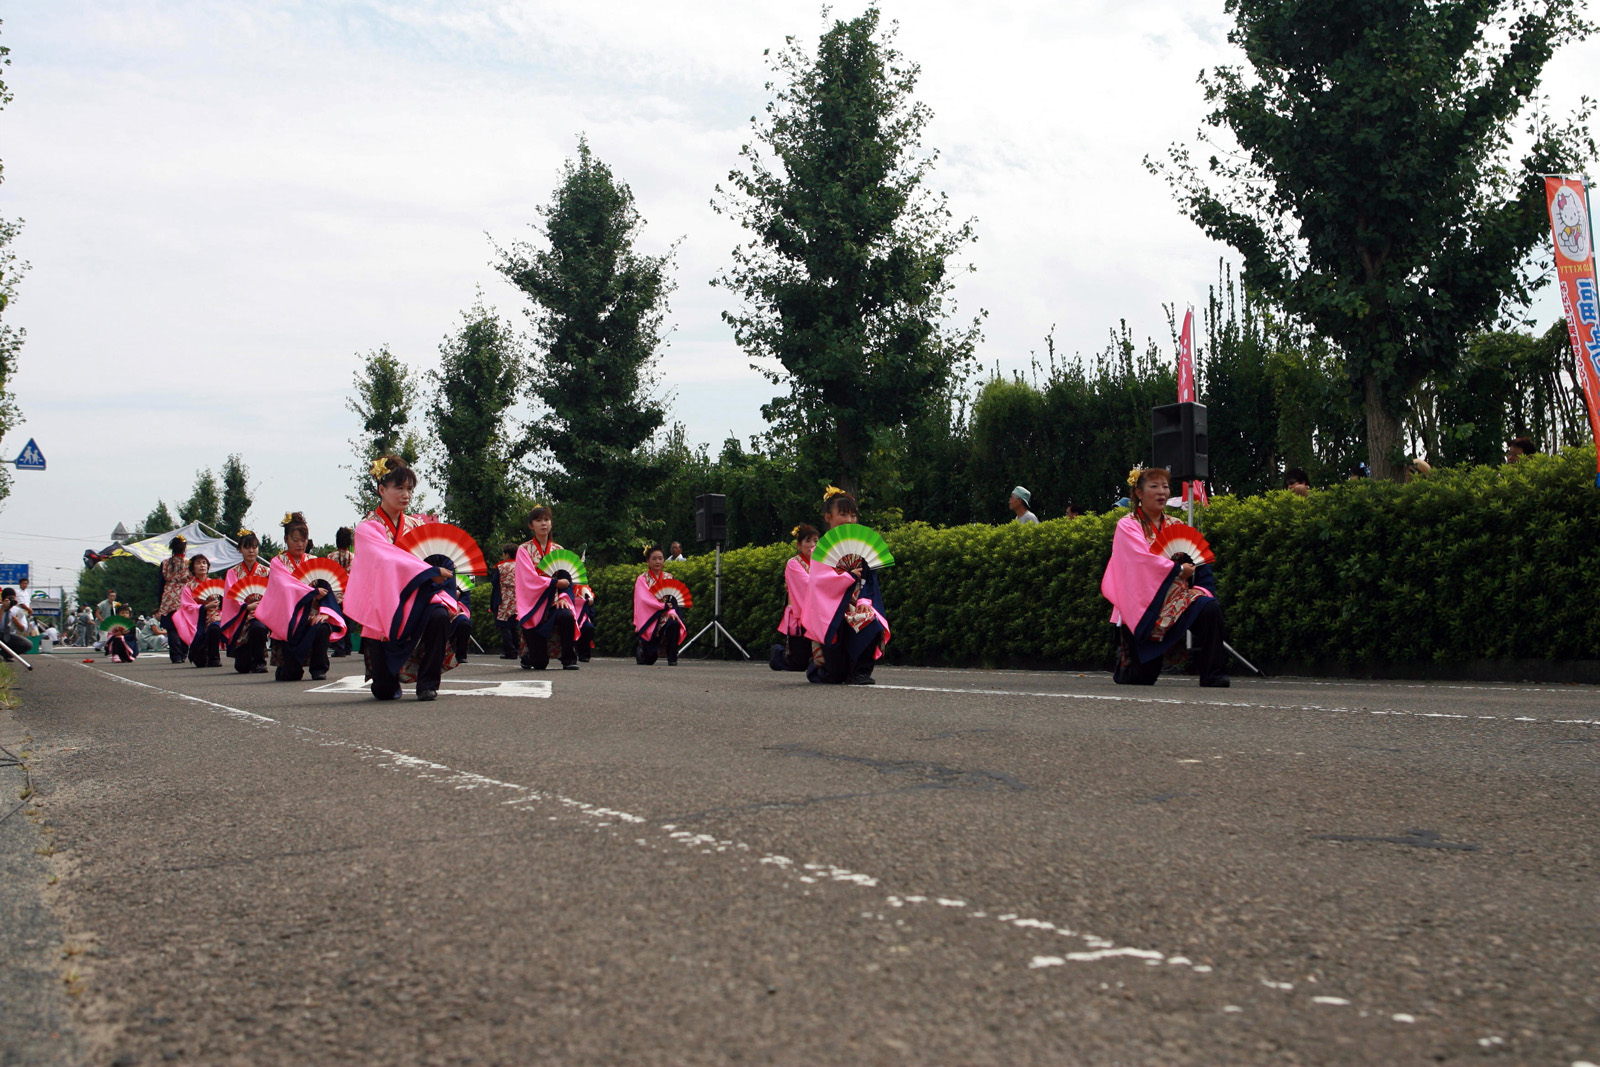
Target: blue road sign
{"type": "Point", "coordinates": [13, 574]}
{"type": "Point", "coordinates": [30, 458]}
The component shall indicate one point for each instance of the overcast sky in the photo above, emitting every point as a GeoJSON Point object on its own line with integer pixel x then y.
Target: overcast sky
{"type": "Point", "coordinates": [227, 203]}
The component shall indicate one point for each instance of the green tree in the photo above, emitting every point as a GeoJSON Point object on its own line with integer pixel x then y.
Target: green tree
{"type": "Point", "coordinates": [159, 520]}
{"type": "Point", "coordinates": [598, 310]}
{"type": "Point", "coordinates": [475, 452]}
{"type": "Point", "coordinates": [385, 392]}
{"type": "Point", "coordinates": [235, 495]}
{"type": "Point", "coordinates": [11, 271]}
{"type": "Point", "coordinates": [204, 503]}
{"type": "Point", "coordinates": [846, 284]}
{"type": "Point", "coordinates": [1373, 192]}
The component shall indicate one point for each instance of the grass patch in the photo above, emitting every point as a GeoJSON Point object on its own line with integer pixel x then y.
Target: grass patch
{"type": "Point", "coordinates": [8, 693]}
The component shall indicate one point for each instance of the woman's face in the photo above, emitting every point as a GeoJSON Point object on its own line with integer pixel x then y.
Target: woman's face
{"type": "Point", "coordinates": [840, 516]}
{"type": "Point", "coordinates": [395, 498]}
{"type": "Point", "coordinates": [541, 527]}
{"type": "Point", "coordinates": [296, 539]}
{"type": "Point", "coordinates": [808, 546]}
{"type": "Point", "coordinates": [656, 561]}
{"type": "Point", "coordinates": [200, 569]}
{"type": "Point", "coordinates": [1153, 493]}
{"type": "Point", "coordinates": [250, 555]}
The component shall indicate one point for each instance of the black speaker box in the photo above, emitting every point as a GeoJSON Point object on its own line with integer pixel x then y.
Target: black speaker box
{"type": "Point", "coordinates": [1179, 441]}
{"type": "Point", "coordinates": [710, 517]}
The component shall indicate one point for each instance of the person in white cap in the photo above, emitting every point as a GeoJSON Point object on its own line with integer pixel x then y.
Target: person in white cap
{"type": "Point", "coordinates": [1020, 499]}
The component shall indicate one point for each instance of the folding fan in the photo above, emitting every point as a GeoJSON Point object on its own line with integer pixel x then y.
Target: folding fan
{"type": "Point", "coordinates": [211, 587]}
{"type": "Point", "coordinates": [844, 545]}
{"type": "Point", "coordinates": [565, 561]}
{"type": "Point", "coordinates": [670, 590]}
{"type": "Point", "coordinates": [116, 620]}
{"type": "Point", "coordinates": [245, 588]}
{"type": "Point", "coordinates": [442, 539]}
{"type": "Point", "coordinates": [1178, 537]}
{"type": "Point", "coordinates": [314, 569]}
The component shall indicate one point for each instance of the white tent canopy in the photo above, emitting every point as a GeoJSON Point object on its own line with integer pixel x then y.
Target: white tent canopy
{"type": "Point", "coordinates": [202, 541]}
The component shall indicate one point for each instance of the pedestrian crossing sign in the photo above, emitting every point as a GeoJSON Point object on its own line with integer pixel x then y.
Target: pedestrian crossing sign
{"type": "Point", "coordinates": [30, 459]}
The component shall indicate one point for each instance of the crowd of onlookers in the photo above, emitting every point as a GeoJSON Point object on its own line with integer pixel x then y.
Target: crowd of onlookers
{"type": "Point", "coordinates": [18, 626]}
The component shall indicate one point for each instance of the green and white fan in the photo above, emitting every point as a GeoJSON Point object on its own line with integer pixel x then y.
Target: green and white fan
{"type": "Point", "coordinates": [845, 546]}
{"type": "Point", "coordinates": [565, 561]}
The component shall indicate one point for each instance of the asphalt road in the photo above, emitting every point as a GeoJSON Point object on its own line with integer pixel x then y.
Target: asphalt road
{"type": "Point", "coordinates": [716, 864]}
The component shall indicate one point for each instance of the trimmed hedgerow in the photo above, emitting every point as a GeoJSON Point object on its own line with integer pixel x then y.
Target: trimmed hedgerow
{"type": "Point", "coordinates": [1486, 563]}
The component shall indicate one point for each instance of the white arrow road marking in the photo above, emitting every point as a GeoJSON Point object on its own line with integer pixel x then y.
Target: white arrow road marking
{"type": "Point", "coordinates": [519, 687]}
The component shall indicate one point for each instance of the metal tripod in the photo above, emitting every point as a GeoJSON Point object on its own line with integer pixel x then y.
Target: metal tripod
{"type": "Point", "coordinates": [718, 631]}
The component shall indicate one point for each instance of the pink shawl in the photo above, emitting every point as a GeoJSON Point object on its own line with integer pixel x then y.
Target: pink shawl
{"type": "Point", "coordinates": [1134, 574]}
{"type": "Point", "coordinates": [285, 593]}
{"type": "Point", "coordinates": [378, 578]}
{"type": "Point", "coordinates": [645, 606]}
{"type": "Point", "coordinates": [797, 579]}
{"type": "Point", "coordinates": [186, 617]}
{"type": "Point", "coordinates": [531, 585]}
{"type": "Point", "coordinates": [827, 589]}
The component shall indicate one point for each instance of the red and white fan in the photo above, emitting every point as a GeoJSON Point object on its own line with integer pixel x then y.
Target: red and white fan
{"type": "Point", "coordinates": [241, 591]}
{"type": "Point", "coordinates": [442, 539]}
{"type": "Point", "coordinates": [211, 587]}
{"type": "Point", "coordinates": [670, 589]}
{"type": "Point", "coordinates": [1178, 537]}
{"type": "Point", "coordinates": [314, 569]}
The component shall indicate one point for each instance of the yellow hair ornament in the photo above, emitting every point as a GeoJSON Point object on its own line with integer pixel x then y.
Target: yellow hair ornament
{"type": "Point", "coordinates": [1133, 475]}
{"type": "Point", "coordinates": [795, 532]}
{"type": "Point", "coordinates": [244, 532]}
{"type": "Point", "coordinates": [645, 552]}
{"type": "Point", "coordinates": [831, 492]}
{"type": "Point", "coordinates": [379, 468]}
{"type": "Point", "coordinates": [288, 517]}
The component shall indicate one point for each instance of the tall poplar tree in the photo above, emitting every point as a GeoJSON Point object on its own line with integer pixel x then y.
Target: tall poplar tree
{"type": "Point", "coordinates": [599, 306]}
{"type": "Point", "coordinates": [204, 503]}
{"type": "Point", "coordinates": [11, 338]}
{"type": "Point", "coordinates": [385, 393]}
{"type": "Point", "coordinates": [475, 450]}
{"type": "Point", "coordinates": [1371, 186]}
{"type": "Point", "coordinates": [846, 283]}
{"type": "Point", "coordinates": [235, 495]}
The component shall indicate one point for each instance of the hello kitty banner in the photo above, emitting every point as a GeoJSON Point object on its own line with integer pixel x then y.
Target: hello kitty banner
{"type": "Point", "coordinates": [1572, 227]}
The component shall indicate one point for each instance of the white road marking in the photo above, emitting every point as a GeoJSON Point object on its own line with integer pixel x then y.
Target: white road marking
{"type": "Point", "coordinates": [527, 799]}
{"type": "Point", "coordinates": [1192, 703]}
{"type": "Point", "coordinates": [515, 687]}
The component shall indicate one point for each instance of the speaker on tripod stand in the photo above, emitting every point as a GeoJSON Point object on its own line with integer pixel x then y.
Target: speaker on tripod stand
{"type": "Point", "coordinates": [711, 525]}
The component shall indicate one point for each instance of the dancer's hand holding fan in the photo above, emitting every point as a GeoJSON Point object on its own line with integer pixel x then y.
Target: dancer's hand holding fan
{"type": "Point", "coordinates": [849, 545]}
{"type": "Point", "coordinates": [442, 539]}
{"type": "Point", "coordinates": [672, 593]}
{"type": "Point", "coordinates": [564, 563]}
{"type": "Point", "coordinates": [1179, 540]}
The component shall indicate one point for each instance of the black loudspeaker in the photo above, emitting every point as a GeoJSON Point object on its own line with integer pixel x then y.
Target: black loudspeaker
{"type": "Point", "coordinates": [710, 517]}
{"type": "Point", "coordinates": [1179, 441]}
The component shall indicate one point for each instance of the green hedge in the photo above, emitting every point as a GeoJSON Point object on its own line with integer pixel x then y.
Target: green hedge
{"type": "Point", "coordinates": [1485, 563]}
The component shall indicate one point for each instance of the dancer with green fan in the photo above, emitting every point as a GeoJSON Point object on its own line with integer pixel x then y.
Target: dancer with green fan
{"type": "Point", "coordinates": [546, 575]}
{"type": "Point", "coordinates": [843, 614]}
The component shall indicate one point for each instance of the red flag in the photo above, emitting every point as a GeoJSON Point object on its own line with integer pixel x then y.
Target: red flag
{"type": "Point", "coordinates": [1572, 227]}
{"type": "Point", "coordinates": [1191, 490]}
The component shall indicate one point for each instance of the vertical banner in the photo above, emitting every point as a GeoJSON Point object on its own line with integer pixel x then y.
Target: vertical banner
{"type": "Point", "coordinates": [1572, 227]}
{"type": "Point", "coordinates": [1191, 490]}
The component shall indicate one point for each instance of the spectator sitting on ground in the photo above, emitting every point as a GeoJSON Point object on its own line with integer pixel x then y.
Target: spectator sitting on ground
{"type": "Point", "coordinates": [13, 622]}
{"type": "Point", "coordinates": [676, 555]}
{"type": "Point", "coordinates": [1020, 500]}
{"type": "Point", "coordinates": [152, 638]}
{"type": "Point", "coordinates": [1519, 447]}
{"type": "Point", "coordinates": [1297, 481]}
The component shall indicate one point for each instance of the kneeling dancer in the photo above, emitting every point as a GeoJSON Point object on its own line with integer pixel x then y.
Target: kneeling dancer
{"type": "Point", "coordinates": [396, 597]}
{"type": "Point", "coordinates": [1156, 600]}
{"type": "Point", "coordinates": [656, 623]}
